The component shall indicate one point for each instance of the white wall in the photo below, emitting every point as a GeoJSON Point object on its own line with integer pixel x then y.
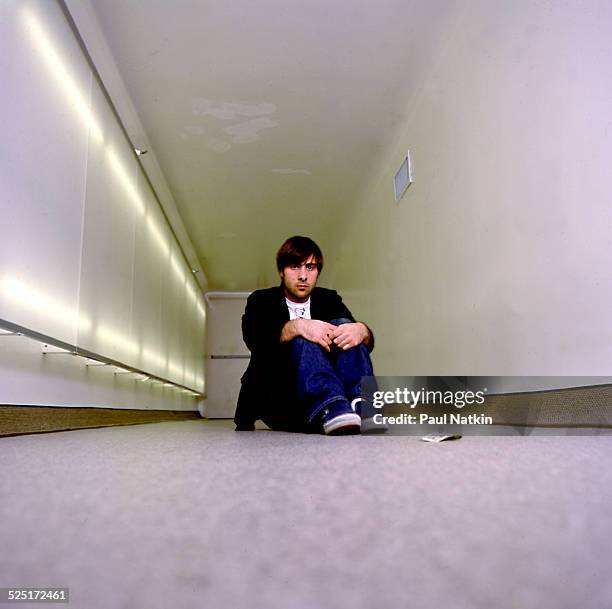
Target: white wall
{"type": "Point", "coordinates": [227, 356]}
{"type": "Point", "coordinates": [498, 260]}
{"type": "Point", "coordinates": [86, 255]}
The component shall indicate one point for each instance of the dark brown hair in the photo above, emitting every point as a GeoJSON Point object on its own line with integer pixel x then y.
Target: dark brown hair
{"type": "Point", "coordinates": [296, 250]}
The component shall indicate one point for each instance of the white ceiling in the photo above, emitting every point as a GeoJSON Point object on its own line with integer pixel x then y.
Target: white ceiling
{"type": "Point", "coordinates": [265, 116]}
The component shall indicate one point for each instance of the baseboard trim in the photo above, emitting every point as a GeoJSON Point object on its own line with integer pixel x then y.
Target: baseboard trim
{"type": "Point", "coordinates": [20, 420]}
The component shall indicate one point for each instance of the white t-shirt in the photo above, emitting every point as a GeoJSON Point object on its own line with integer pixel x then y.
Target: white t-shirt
{"type": "Point", "coordinates": [298, 310]}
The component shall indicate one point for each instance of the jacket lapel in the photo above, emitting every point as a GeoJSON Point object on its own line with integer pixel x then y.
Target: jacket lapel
{"type": "Point", "coordinates": [283, 310]}
{"type": "Point", "coordinates": [315, 305]}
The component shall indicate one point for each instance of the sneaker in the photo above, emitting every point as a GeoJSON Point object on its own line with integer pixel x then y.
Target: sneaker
{"type": "Point", "coordinates": [366, 412]}
{"type": "Point", "coordinates": [359, 405]}
{"type": "Point", "coordinates": [340, 419]}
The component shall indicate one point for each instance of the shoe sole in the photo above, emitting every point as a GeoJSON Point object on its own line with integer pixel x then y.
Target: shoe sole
{"type": "Point", "coordinates": [343, 424]}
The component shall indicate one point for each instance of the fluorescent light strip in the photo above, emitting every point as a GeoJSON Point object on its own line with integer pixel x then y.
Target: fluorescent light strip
{"type": "Point", "coordinates": [176, 370]}
{"type": "Point", "coordinates": [176, 267]}
{"type": "Point", "coordinates": [159, 238]}
{"type": "Point", "coordinates": [30, 297]}
{"type": "Point", "coordinates": [26, 296]}
{"type": "Point", "coordinates": [153, 358]}
{"type": "Point", "coordinates": [57, 67]}
{"type": "Point", "coordinates": [52, 349]}
{"type": "Point", "coordinates": [191, 292]}
{"type": "Point", "coordinates": [125, 180]}
{"type": "Point", "coordinates": [112, 337]}
{"type": "Point", "coordinates": [94, 362]}
{"type": "Point", "coordinates": [196, 299]}
{"type": "Point", "coordinates": [33, 299]}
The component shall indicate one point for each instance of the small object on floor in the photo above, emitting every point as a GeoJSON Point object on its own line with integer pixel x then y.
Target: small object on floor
{"type": "Point", "coordinates": [441, 437]}
{"type": "Point", "coordinates": [340, 419]}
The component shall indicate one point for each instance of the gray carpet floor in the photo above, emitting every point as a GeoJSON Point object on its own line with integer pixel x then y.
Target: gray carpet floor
{"type": "Point", "coordinates": [192, 514]}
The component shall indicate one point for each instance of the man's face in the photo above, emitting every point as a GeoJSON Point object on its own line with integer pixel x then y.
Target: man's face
{"type": "Point", "coordinates": [300, 279]}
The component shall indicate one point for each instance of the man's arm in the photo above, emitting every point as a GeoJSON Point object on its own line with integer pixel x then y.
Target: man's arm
{"type": "Point", "coordinates": [261, 328]}
{"type": "Point", "coordinates": [350, 334]}
{"type": "Point", "coordinates": [261, 324]}
{"type": "Point", "coordinates": [314, 330]}
{"type": "Point", "coordinates": [369, 339]}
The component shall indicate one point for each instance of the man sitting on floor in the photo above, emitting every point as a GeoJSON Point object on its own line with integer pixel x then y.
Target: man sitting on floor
{"type": "Point", "coordinates": [308, 354]}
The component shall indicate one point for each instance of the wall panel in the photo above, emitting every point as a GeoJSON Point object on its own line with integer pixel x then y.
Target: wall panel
{"type": "Point", "coordinates": [87, 256]}
{"type": "Point", "coordinates": [151, 253]}
{"type": "Point", "coordinates": [113, 206]}
{"type": "Point", "coordinates": [173, 313]}
{"type": "Point", "coordinates": [42, 168]}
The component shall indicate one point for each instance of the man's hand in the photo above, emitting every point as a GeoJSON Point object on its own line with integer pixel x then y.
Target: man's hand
{"type": "Point", "coordinates": [346, 336]}
{"type": "Point", "coordinates": [322, 333]}
{"type": "Point", "coordinates": [317, 331]}
{"type": "Point", "coordinates": [314, 330]}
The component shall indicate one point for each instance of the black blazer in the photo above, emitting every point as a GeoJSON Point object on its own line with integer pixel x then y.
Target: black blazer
{"type": "Point", "coordinates": [266, 377]}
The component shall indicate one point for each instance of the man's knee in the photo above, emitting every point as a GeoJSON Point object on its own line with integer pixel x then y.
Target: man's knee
{"type": "Point", "coordinates": [340, 320]}
{"type": "Point", "coordinates": [300, 344]}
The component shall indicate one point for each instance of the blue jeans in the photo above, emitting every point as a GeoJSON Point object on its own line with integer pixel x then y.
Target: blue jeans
{"type": "Point", "coordinates": [320, 378]}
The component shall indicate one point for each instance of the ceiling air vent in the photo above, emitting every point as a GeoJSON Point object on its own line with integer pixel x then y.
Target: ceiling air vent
{"type": "Point", "coordinates": [403, 178]}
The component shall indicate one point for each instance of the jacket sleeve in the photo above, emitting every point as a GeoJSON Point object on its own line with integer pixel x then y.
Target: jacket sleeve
{"type": "Point", "coordinates": [243, 417]}
{"type": "Point", "coordinates": [338, 308]}
{"type": "Point", "coordinates": [262, 323]}
{"type": "Point", "coordinates": [341, 310]}
{"type": "Point", "coordinates": [261, 327]}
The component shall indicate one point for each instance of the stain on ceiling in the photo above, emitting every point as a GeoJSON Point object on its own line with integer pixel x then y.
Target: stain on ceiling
{"type": "Point", "coordinates": [267, 116]}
